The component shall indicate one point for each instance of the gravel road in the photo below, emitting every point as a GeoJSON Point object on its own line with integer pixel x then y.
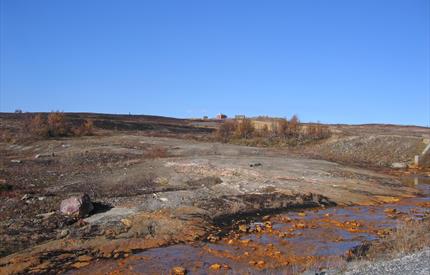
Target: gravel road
{"type": "Point", "coordinates": [417, 263]}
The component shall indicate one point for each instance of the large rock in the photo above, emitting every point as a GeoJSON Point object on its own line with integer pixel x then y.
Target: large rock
{"type": "Point", "coordinates": [77, 206]}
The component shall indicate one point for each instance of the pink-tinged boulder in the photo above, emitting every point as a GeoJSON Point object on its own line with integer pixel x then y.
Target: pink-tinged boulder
{"type": "Point", "coordinates": [77, 206]}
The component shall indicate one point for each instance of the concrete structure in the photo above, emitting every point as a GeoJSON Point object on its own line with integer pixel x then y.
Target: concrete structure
{"type": "Point", "coordinates": [423, 160]}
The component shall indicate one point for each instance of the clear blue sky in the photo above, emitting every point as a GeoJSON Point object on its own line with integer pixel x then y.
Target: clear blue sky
{"type": "Point", "coordinates": [354, 61]}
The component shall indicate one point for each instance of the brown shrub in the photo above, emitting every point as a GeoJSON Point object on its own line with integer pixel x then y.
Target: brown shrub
{"type": "Point", "coordinates": [85, 129]}
{"type": "Point", "coordinates": [57, 125]}
{"type": "Point", "coordinates": [38, 127]}
{"type": "Point", "coordinates": [294, 126]}
{"type": "Point", "coordinates": [264, 131]}
{"type": "Point", "coordinates": [317, 131]}
{"type": "Point", "coordinates": [282, 128]}
{"type": "Point", "coordinates": [225, 131]}
{"type": "Point", "coordinates": [244, 128]}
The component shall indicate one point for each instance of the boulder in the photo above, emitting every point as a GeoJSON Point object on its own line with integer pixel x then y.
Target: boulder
{"type": "Point", "coordinates": [77, 206]}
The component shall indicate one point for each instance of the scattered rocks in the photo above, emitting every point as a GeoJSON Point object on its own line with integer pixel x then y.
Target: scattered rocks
{"type": "Point", "coordinates": [16, 161]}
{"type": "Point", "coordinates": [77, 206]}
{"type": "Point", "coordinates": [257, 164]}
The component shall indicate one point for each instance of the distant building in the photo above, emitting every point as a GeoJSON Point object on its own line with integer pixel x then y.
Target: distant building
{"type": "Point", "coordinates": [221, 116]}
{"type": "Point", "coordinates": [205, 117]}
{"type": "Point", "coordinates": [240, 117]}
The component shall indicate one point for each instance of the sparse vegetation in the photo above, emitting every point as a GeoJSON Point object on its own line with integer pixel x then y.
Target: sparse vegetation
{"type": "Point", "coordinates": [225, 131]}
{"type": "Point", "coordinates": [86, 129]}
{"type": "Point", "coordinates": [56, 125]}
{"type": "Point", "coordinates": [38, 127]}
{"type": "Point", "coordinates": [408, 237]}
{"type": "Point", "coordinates": [271, 132]}
{"type": "Point", "coordinates": [244, 128]}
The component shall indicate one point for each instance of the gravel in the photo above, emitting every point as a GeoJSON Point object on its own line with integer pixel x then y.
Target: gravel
{"type": "Point", "coordinates": [417, 263]}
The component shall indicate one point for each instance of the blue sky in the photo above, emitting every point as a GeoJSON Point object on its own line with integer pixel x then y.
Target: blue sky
{"type": "Point", "coordinates": [335, 61]}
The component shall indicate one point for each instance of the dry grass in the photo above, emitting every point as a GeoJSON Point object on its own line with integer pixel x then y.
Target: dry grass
{"type": "Point", "coordinates": [408, 237]}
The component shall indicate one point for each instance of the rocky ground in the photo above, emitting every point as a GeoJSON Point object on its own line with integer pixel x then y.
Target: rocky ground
{"type": "Point", "coordinates": [416, 263]}
{"type": "Point", "coordinates": [158, 187]}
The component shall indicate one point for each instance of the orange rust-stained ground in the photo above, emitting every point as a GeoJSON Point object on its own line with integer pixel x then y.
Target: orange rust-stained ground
{"type": "Point", "coordinates": [288, 242]}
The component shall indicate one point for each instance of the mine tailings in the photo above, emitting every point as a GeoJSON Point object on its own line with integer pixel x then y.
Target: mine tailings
{"type": "Point", "coordinates": [287, 242]}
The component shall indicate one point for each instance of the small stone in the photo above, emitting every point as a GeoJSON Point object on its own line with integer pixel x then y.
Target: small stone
{"type": "Point", "coordinates": [16, 161]}
{"type": "Point", "coordinates": [126, 222]}
{"type": "Point", "coordinates": [178, 270]}
{"type": "Point", "coordinates": [215, 267]}
{"type": "Point", "coordinates": [243, 228]}
{"type": "Point", "coordinates": [26, 197]}
{"type": "Point", "coordinates": [84, 258]}
{"type": "Point", "coordinates": [77, 206]}
{"type": "Point", "coordinates": [261, 263]}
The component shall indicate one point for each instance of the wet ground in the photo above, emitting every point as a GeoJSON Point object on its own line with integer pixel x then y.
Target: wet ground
{"type": "Point", "coordinates": [289, 242]}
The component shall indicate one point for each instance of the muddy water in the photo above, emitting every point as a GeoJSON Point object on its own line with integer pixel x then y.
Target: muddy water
{"type": "Point", "coordinates": [284, 243]}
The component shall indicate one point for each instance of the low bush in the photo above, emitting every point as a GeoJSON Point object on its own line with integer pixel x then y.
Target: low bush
{"type": "Point", "coordinates": [55, 124]}
{"type": "Point", "coordinates": [85, 129]}
{"type": "Point", "coordinates": [38, 127]}
{"type": "Point", "coordinates": [282, 132]}
{"type": "Point", "coordinates": [244, 128]}
{"type": "Point", "coordinates": [225, 131]}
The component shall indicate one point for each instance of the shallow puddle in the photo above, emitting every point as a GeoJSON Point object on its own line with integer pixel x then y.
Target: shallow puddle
{"type": "Point", "coordinates": [283, 243]}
